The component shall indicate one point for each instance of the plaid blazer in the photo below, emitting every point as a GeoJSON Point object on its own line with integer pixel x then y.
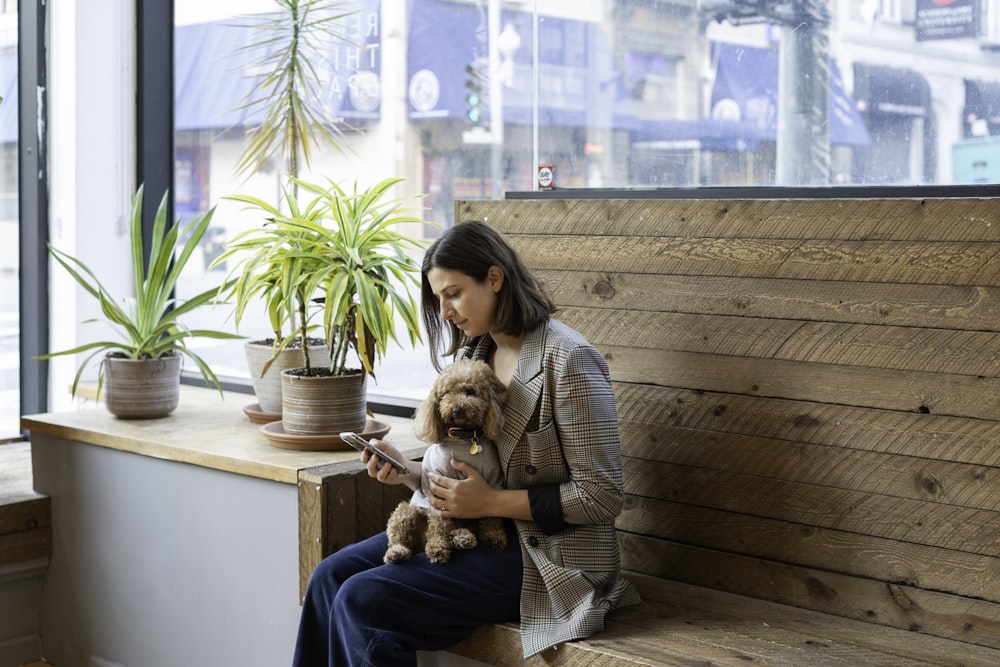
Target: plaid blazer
{"type": "Point", "coordinates": [561, 428]}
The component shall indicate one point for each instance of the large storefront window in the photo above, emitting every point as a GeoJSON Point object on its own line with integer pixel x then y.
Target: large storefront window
{"type": "Point", "coordinates": [467, 99]}
{"type": "Point", "coordinates": [9, 311]}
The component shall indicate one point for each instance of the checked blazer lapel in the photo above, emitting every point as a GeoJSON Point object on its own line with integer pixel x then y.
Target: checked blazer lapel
{"type": "Point", "coordinates": [524, 391]}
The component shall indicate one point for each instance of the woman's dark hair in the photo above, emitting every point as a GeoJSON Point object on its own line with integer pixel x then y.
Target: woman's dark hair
{"type": "Point", "coordinates": [472, 247]}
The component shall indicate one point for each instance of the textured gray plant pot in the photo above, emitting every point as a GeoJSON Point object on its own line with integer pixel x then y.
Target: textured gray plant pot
{"type": "Point", "coordinates": [141, 388]}
{"type": "Point", "coordinates": [325, 405]}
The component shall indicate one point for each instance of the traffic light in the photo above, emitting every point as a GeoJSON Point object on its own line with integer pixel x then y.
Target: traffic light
{"type": "Point", "coordinates": [473, 95]}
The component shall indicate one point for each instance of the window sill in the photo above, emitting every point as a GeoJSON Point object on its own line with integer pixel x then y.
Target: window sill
{"type": "Point", "coordinates": [209, 431]}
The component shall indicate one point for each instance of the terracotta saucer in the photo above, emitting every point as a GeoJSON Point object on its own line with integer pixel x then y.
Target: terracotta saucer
{"type": "Point", "coordinates": [275, 433]}
{"type": "Point", "coordinates": [258, 416]}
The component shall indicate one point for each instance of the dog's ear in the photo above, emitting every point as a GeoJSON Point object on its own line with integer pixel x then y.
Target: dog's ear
{"type": "Point", "coordinates": [494, 416]}
{"type": "Point", "coordinates": [426, 425]}
{"type": "Point", "coordinates": [494, 419]}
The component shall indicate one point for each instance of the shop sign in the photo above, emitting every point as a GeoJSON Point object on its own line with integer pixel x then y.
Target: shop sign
{"type": "Point", "coordinates": [947, 19]}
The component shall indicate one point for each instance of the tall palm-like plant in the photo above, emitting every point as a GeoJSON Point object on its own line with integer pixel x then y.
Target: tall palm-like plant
{"type": "Point", "coordinates": [332, 262]}
{"type": "Point", "coordinates": [289, 92]}
{"type": "Point", "coordinates": [289, 96]}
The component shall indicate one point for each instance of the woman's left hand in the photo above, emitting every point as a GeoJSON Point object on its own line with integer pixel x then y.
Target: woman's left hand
{"type": "Point", "coordinates": [467, 498]}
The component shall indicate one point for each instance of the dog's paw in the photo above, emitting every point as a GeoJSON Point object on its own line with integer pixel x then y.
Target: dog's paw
{"type": "Point", "coordinates": [397, 553]}
{"type": "Point", "coordinates": [438, 553]}
{"type": "Point", "coordinates": [463, 538]}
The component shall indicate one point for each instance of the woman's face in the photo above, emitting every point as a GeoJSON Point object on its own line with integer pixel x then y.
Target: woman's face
{"type": "Point", "coordinates": [471, 305]}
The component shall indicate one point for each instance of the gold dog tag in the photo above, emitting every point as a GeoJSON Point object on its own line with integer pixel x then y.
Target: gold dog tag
{"type": "Point", "coordinates": [474, 448]}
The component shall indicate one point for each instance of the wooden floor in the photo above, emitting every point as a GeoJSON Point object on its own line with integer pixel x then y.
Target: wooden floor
{"type": "Point", "coordinates": [682, 625]}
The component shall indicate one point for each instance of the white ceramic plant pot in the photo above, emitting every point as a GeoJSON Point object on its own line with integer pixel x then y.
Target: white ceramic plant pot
{"type": "Point", "coordinates": [267, 389]}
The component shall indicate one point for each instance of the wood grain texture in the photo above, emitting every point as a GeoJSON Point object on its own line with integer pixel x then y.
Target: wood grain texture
{"type": "Point", "coordinates": [975, 353]}
{"type": "Point", "coordinates": [886, 604]}
{"type": "Point", "coordinates": [969, 307]}
{"type": "Point", "coordinates": [204, 430]}
{"type": "Point", "coordinates": [872, 557]}
{"type": "Point", "coordinates": [685, 625]}
{"type": "Point", "coordinates": [25, 515]}
{"type": "Point", "coordinates": [927, 436]}
{"type": "Point", "coordinates": [914, 477]}
{"type": "Point", "coordinates": [917, 219]}
{"type": "Point", "coordinates": [808, 395]}
{"type": "Point", "coordinates": [908, 262]}
{"type": "Point", "coordinates": [340, 505]}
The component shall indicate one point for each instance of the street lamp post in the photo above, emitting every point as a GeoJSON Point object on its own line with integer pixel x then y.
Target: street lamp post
{"type": "Point", "coordinates": [803, 81]}
{"type": "Point", "coordinates": [803, 150]}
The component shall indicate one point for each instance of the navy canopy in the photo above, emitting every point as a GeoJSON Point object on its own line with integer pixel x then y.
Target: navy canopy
{"type": "Point", "coordinates": [214, 74]}
{"type": "Point", "coordinates": [579, 84]}
{"type": "Point", "coordinates": [707, 134]}
{"type": "Point", "coordinates": [746, 89]}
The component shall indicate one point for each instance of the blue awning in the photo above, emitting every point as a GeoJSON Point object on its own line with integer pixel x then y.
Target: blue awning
{"type": "Point", "coordinates": [8, 90]}
{"type": "Point", "coordinates": [708, 134]}
{"type": "Point", "coordinates": [214, 73]}
{"type": "Point", "coordinates": [746, 89]}
{"type": "Point", "coordinates": [891, 91]}
{"type": "Point", "coordinates": [579, 83]}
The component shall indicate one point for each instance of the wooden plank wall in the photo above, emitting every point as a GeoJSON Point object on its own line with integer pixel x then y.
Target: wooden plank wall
{"type": "Point", "coordinates": [808, 392]}
{"type": "Point", "coordinates": [339, 504]}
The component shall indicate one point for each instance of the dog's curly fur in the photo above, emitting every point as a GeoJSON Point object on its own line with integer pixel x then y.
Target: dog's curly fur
{"type": "Point", "coordinates": [466, 396]}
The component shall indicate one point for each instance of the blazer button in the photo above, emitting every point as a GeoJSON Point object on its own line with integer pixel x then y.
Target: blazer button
{"type": "Point", "coordinates": [531, 469]}
{"type": "Point", "coordinates": [532, 541]}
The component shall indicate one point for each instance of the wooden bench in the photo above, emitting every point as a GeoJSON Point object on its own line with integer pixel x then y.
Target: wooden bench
{"type": "Point", "coordinates": [25, 550]}
{"type": "Point", "coordinates": [808, 394]}
{"type": "Point", "coordinates": [25, 516]}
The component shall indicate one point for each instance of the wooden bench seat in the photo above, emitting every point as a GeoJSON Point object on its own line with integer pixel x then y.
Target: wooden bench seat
{"type": "Point", "coordinates": [684, 625]}
{"type": "Point", "coordinates": [808, 395]}
{"type": "Point", "coordinates": [687, 626]}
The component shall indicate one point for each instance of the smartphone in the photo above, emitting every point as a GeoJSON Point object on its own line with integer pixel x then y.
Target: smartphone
{"type": "Point", "coordinates": [360, 444]}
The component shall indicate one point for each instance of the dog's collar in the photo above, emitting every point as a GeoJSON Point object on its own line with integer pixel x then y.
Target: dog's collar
{"type": "Point", "coordinates": [460, 433]}
{"type": "Point", "coordinates": [470, 434]}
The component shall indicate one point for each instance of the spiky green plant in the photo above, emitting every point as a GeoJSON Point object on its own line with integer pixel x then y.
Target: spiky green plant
{"type": "Point", "coordinates": [338, 259]}
{"type": "Point", "coordinates": [148, 322]}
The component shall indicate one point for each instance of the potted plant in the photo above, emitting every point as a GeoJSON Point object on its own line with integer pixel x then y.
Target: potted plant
{"type": "Point", "coordinates": [335, 264]}
{"type": "Point", "coordinates": [141, 370]}
{"type": "Point", "coordinates": [288, 95]}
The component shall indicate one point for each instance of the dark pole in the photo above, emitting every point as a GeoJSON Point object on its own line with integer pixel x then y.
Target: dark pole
{"type": "Point", "coordinates": [155, 107]}
{"type": "Point", "coordinates": [803, 152]}
{"type": "Point", "coordinates": [33, 206]}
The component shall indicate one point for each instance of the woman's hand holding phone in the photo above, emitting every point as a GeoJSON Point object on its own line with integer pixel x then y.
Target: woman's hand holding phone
{"type": "Point", "coordinates": [397, 472]}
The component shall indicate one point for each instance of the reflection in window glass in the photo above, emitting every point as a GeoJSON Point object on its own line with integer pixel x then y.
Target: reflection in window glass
{"type": "Point", "coordinates": [467, 98]}
{"type": "Point", "coordinates": [10, 401]}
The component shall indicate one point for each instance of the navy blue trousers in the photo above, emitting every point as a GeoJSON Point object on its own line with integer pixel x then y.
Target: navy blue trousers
{"type": "Point", "coordinates": [360, 611]}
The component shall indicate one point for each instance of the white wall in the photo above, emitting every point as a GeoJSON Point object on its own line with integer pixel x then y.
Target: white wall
{"type": "Point", "coordinates": [160, 564]}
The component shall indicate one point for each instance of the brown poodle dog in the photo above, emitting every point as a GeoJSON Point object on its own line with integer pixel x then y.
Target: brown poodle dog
{"type": "Point", "coordinates": [460, 418]}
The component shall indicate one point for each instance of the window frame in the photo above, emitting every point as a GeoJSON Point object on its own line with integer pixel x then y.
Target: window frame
{"type": "Point", "coordinates": [155, 143]}
{"type": "Point", "coordinates": [33, 207]}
